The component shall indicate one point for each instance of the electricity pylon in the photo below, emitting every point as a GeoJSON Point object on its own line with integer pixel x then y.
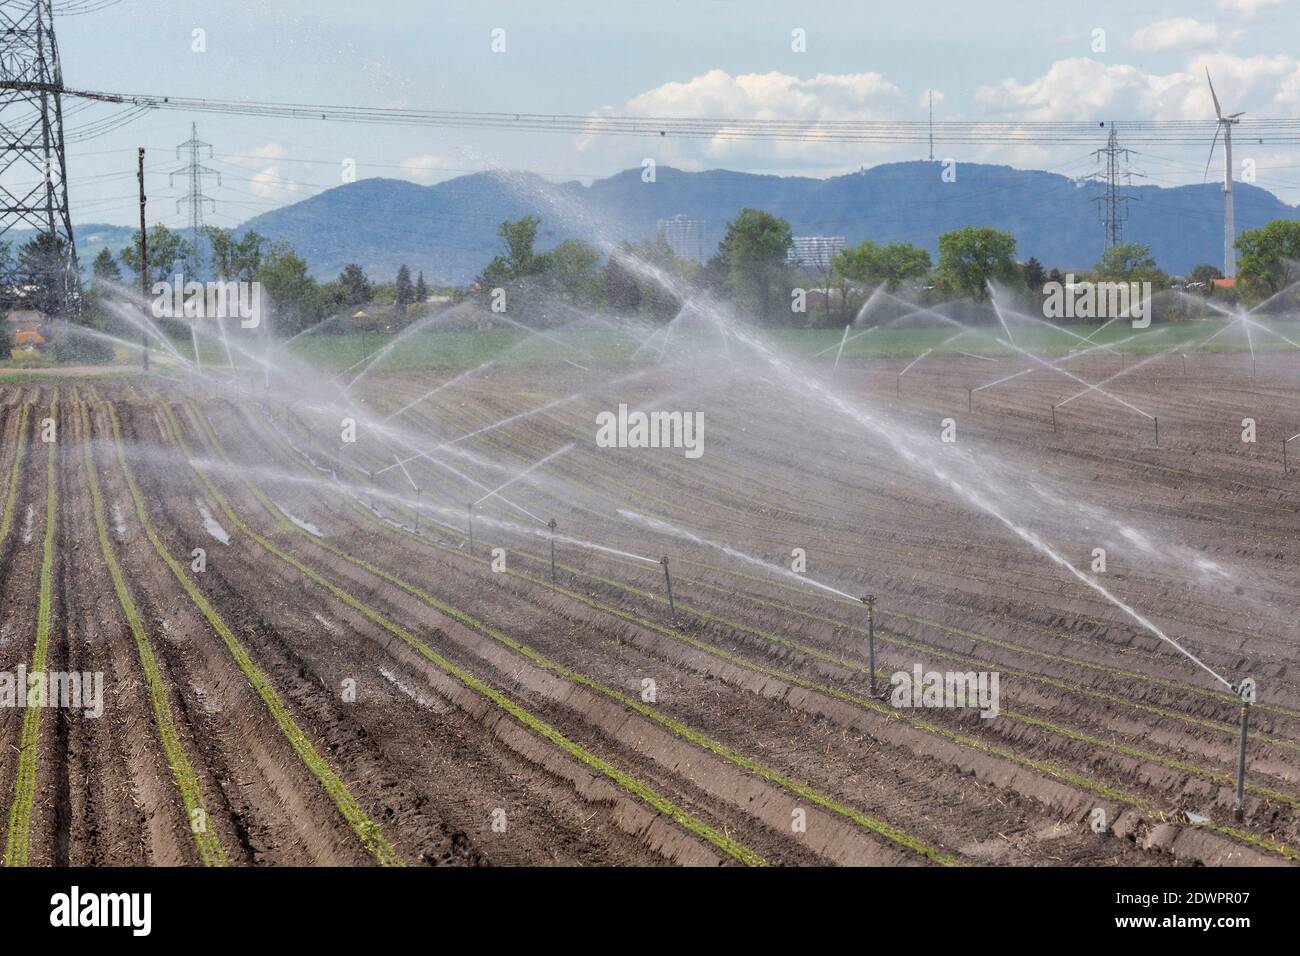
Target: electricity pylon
{"type": "Point", "coordinates": [195, 171]}
{"type": "Point", "coordinates": [33, 168]}
{"type": "Point", "coordinates": [1113, 205]}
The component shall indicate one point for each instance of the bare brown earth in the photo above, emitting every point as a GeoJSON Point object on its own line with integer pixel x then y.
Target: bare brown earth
{"type": "Point", "coordinates": [474, 716]}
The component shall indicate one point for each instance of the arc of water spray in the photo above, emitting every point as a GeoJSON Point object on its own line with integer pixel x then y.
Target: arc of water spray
{"type": "Point", "coordinates": [527, 471]}
{"type": "Point", "coordinates": [658, 524]}
{"type": "Point", "coordinates": [1055, 365]}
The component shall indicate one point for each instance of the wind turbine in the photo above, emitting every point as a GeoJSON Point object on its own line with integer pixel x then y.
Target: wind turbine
{"type": "Point", "coordinates": [1225, 124]}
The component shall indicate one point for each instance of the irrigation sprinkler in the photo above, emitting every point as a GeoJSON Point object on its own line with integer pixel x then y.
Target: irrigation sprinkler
{"type": "Point", "coordinates": [1246, 691]}
{"type": "Point", "coordinates": [970, 398]}
{"type": "Point", "coordinates": [417, 510]}
{"type": "Point", "coordinates": [1285, 442]}
{"type": "Point", "coordinates": [1156, 422]}
{"type": "Point", "coordinates": [469, 510]}
{"type": "Point", "coordinates": [1053, 419]}
{"type": "Point", "coordinates": [870, 601]}
{"type": "Point", "coordinates": [551, 524]}
{"type": "Point", "coordinates": [1184, 355]}
{"type": "Point", "coordinates": [668, 579]}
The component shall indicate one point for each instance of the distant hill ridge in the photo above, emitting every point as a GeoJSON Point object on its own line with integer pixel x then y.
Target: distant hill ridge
{"type": "Point", "coordinates": [448, 230]}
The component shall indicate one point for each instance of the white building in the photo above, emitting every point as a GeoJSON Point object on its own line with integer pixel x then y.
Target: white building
{"type": "Point", "coordinates": [685, 236]}
{"type": "Point", "coordinates": [814, 253]}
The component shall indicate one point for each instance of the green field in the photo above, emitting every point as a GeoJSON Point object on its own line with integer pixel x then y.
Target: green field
{"type": "Point", "coordinates": [460, 350]}
{"type": "Point", "coordinates": [455, 351]}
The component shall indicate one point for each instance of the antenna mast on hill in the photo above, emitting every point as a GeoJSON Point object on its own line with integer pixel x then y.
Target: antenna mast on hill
{"type": "Point", "coordinates": [931, 92]}
{"type": "Point", "coordinates": [195, 170]}
{"type": "Point", "coordinates": [1113, 205]}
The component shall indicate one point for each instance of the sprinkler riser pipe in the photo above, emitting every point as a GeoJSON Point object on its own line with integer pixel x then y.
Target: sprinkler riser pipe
{"type": "Point", "coordinates": [668, 580]}
{"type": "Point", "coordinates": [1239, 806]}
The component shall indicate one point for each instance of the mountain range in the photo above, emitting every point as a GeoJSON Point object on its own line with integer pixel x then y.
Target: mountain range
{"type": "Point", "coordinates": [448, 230]}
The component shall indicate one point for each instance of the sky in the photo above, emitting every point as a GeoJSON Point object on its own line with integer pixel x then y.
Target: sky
{"type": "Point", "coordinates": [991, 59]}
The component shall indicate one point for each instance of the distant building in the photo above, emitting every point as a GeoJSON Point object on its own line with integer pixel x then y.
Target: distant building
{"type": "Point", "coordinates": [814, 253]}
{"type": "Point", "coordinates": [685, 237]}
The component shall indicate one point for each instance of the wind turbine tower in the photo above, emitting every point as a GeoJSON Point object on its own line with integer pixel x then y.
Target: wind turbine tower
{"type": "Point", "coordinates": [1225, 126]}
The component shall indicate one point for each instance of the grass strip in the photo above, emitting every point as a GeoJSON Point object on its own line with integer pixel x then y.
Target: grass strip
{"type": "Point", "coordinates": [876, 826]}
{"type": "Point", "coordinates": [729, 846]}
{"type": "Point", "coordinates": [367, 830]}
{"type": "Point", "coordinates": [20, 811]}
{"type": "Point", "coordinates": [11, 495]}
{"type": "Point", "coordinates": [210, 849]}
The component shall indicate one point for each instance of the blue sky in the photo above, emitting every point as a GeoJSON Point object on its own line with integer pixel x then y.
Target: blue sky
{"type": "Point", "coordinates": [995, 59]}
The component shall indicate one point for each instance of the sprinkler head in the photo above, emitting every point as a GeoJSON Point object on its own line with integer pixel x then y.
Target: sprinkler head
{"type": "Point", "coordinates": [664, 560]}
{"type": "Point", "coordinates": [868, 599]}
{"type": "Point", "coordinates": [551, 524]}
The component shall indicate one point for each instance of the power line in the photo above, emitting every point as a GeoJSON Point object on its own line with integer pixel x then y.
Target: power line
{"type": "Point", "coordinates": [1017, 132]}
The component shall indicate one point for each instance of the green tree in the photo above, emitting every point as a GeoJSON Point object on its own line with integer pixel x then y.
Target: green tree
{"type": "Point", "coordinates": [621, 289]}
{"type": "Point", "coordinates": [421, 289]}
{"type": "Point", "coordinates": [1035, 274]}
{"type": "Point", "coordinates": [972, 257]}
{"type": "Point", "coordinates": [1130, 262]}
{"type": "Point", "coordinates": [403, 290]}
{"type": "Point", "coordinates": [895, 264]}
{"type": "Point", "coordinates": [574, 266]}
{"type": "Point", "coordinates": [1269, 258]}
{"type": "Point", "coordinates": [41, 266]}
{"type": "Point", "coordinates": [519, 259]}
{"type": "Point", "coordinates": [1203, 275]}
{"type": "Point", "coordinates": [167, 249]}
{"type": "Point", "coordinates": [356, 286]}
{"type": "Point", "coordinates": [293, 294]}
{"type": "Point", "coordinates": [106, 267]}
{"type": "Point", "coordinates": [755, 248]}
{"type": "Point", "coordinates": [235, 259]}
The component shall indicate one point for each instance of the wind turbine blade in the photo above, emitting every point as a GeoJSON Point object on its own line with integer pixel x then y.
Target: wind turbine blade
{"type": "Point", "coordinates": [1213, 143]}
{"type": "Point", "coordinates": [1235, 115]}
{"type": "Point", "coordinates": [1217, 112]}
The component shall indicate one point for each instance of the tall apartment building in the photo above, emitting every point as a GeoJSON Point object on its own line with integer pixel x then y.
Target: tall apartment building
{"type": "Point", "coordinates": [814, 253]}
{"type": "Point", "coordinates": [685, 236]}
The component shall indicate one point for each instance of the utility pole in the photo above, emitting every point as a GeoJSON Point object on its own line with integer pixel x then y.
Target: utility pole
{"type": "Point", "coordinates": [31, 146]}
{"type": "Point", "coordinates": [931, 92]}
{"type": "Point", "coordinates": [144, 264]}
{"type": "Point", "coordinates": [1113, 205]}
{"type": "Point", "coordinates": [194, 170]}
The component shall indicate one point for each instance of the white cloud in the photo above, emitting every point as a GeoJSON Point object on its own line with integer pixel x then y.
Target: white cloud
{"type": "Point", "coordinates": [1248, 8]}
{"type": "Point", "coordinates": [1082, 89]}
{"type": "Point", "coordinates": [421, 169]}
{"type": "Point", "coordinates": [1178, 33]}
{"type": "Point", "coordinates": [270, 151]}
{"type": "Point", "coordinates": [720, 95]}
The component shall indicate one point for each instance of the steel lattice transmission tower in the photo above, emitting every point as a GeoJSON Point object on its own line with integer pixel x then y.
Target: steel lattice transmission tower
{"type": "Point", "coordinates": [1113, 204]}
{"type": "Point", "coordinates": [195, 171]}
{"type": "Point", "coordinates": [33, 167]}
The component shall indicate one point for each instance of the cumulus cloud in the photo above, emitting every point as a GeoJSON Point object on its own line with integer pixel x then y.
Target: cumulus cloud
{"type": "Point", "coordinates": [421, 169]}
{"type": "Point", "coordinates": [773, 96]}
{"type": "Point", "coordinates": [1081, 88]}
{"type": "Point", "coordinates": [1178, 33]}
{"type": "Point", "coordinates": [1248, 8]}
{"type": "Point", "coordinates": [268, 181]}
